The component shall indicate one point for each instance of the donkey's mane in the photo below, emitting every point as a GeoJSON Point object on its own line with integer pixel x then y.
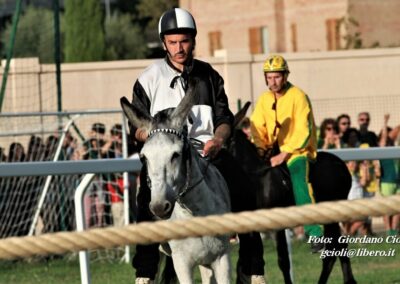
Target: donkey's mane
{"type": "Point", "coordinates": [162, 120]}
{"type": "Point", "coordinates": [163, 117]}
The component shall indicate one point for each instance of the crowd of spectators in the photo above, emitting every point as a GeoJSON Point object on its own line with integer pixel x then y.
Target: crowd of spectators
{"type": "Point", "coordinates": [103, 201]}
{"type": "Point", "coordinates": [369, 178]}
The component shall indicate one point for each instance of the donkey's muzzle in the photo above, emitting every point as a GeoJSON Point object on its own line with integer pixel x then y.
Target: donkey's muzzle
{"type": "Point", "coordinates": [162, 209]}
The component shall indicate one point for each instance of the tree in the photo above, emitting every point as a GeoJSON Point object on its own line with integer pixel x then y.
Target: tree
{"type": "Point", "coordinates": [84, 35]}
{"type": "Point", "coordinates": [125, 6]}
{"type": "Point", "coordinates": [144, 17]}
{"type": "Point", "coordinates": [153, 9]}
{"type": "Point", "coordinates": [34, 37]}
{"type": "Point", "coordinates": [149, 12]}
{"type": "Point", "coordinates": [124, 40]}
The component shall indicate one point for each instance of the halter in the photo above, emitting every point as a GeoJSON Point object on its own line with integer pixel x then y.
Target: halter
{"type": "Point", "coordinates": [168, 131]}
{"type": "Point", "coordinates": [186, 187]}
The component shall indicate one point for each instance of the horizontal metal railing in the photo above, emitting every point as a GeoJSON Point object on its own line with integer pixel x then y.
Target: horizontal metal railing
{"type": "Point", "coordinates": [134, 164]}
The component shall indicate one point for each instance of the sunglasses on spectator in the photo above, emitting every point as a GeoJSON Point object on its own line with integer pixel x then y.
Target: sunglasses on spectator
{"type": "Point", "coordinates": [363, 119]}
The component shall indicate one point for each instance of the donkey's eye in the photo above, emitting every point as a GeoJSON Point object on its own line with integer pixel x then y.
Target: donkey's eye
{"type": "Point", "coordinates": [175, 156]}
{"type": "Point", "coordinates": [148, 180]}
{"type": "Point", "coordinates": [143, 159]}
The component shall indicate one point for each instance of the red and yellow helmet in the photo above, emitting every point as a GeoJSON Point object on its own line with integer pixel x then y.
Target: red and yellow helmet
{"type": "Point", "coordinates": [275, 63]}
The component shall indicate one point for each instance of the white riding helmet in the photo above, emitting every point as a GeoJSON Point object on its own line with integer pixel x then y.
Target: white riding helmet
{"type": "Point", "coordinates": [176, 21]}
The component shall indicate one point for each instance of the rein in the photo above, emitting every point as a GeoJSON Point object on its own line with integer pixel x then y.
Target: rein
{"type": "Point", "coordinates": [186, 187]}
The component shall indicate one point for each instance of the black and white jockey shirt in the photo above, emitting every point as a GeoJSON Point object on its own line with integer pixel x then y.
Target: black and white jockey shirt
{"type": "Point", "coordinates": [162, 86]}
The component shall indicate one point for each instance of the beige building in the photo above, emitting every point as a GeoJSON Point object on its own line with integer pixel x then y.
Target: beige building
{"type": "Point", "coordinates": [236, 36]}
{"type": "Point", "coordinates": [346, 81]}
{"type": "Point", "coordinates": [264, 26]}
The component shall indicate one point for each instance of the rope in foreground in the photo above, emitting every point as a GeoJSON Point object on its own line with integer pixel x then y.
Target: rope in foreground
{"type": "Point", "coordinates": [161, 231]}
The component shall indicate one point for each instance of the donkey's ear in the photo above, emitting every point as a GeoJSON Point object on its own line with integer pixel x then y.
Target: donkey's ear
{"type": "Point", "coordinates": [181, 112]}
{"type": "Point", "coordinates": [241, 114]}
{"type": "Point", "coordinates": [137, 117]}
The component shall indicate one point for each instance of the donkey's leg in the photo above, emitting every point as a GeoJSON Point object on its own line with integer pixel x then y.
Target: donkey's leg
{"type": "Point", "coordinates": [327, 266]}
{"type": "Point", "coordinates": [222, 269]}
{"type": "Point", "coordinates": [283, 255]}
{"type": "Point", "coordinates": [183, 269]}
{"type": "Point", "coordinates": [348, 277]}
{"type": "Point", "coordinates": [333, 231]}
{"type": "Point", "coordinates": [207, 276]}
{"type": "Point", "coordinates": [168, 274]}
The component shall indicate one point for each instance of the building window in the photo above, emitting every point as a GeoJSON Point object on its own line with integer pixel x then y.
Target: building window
{"type": "Point", "coordinates": [214, 41]}
{"type": "Point", "coordinates": [332, 34]}
{"type": "Point", "coordinates": [293, 31]}
{"type": "Point", "coordinates": [259, 40]}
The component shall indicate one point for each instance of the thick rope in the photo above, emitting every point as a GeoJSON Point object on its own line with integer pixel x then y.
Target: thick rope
{"type": "Point", "coordinates": [161, 231]}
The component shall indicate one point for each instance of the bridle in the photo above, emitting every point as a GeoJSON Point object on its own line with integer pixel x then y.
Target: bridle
{"type": "Point", "coordinates": [187, 156]}
{"type": "Point", "coordinates": [168, 131]}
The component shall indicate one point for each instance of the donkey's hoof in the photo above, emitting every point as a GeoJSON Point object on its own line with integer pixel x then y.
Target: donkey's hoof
{"type": "Point", "coordinates": [317, 247]}
{"type": "Point", "coordinates": [143, 280]}
{"type": "Point", "coordinates": [258, 279]}
{"type": "Point", "coordinates": [251, 279]}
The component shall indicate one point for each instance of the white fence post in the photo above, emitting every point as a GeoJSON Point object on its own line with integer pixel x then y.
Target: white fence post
{"type": "Point", "coordinates": [80, 225]}
{"type": "Point", "coordinates": [49, 177]}
{"type": "Point", "coordinates": [127, 255]}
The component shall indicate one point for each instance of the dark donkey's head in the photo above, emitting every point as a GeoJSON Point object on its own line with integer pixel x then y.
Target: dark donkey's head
{"type": "Point", "coordinates": [272, 186]}
{"type": "Point", "coordinates": [163, 153]}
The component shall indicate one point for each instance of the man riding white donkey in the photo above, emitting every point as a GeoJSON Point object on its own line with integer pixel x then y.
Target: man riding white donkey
{"type": "Point", "coordinates": [163, 85]}
{"type": "Point", "coordinates": [283, 117]}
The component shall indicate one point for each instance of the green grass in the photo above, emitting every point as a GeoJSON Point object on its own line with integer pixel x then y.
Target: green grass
{"type": "Point", "coordinates": [306, 268]}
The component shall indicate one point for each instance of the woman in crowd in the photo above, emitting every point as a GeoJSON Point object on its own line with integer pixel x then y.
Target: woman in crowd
{"type": "Point", "coordinates": [343, 122]}
{"type": "Point", "coordinates": [328, 135]}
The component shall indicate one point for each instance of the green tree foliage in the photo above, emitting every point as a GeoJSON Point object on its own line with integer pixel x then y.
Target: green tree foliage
{"type": "Point", "coordinates": [149, 13]}
{"type": "Point", "coordinates": [153, 9]}
{"type": "Point", "coordinates": [84, 35]}
{"type": "Point", "coordinates": [34, 37]}
{"type": "Point", "coordinates": [126, 6]}
{"type": "Point", "coordinates": [124, 40]}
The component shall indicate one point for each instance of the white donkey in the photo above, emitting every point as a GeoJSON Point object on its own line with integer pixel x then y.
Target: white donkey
{"type": "Point", "coordinates": [183, 185]}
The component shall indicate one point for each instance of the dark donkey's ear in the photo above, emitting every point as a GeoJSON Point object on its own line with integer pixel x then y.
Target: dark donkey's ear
{"type": "Point", "coordinates": [241, 114]}
{"type": "Point", "coordinates": [138, 117]}
{"type": "Point", "coordinates": [181, 112]}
